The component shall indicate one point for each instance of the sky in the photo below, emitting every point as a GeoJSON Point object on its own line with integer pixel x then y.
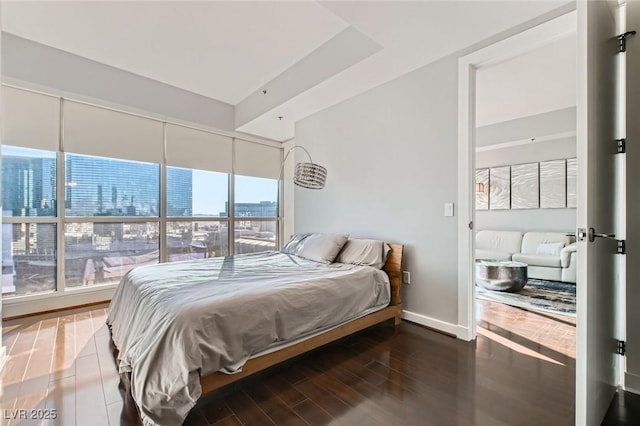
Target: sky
{"type": "Point", "coordinates": [210, 191]}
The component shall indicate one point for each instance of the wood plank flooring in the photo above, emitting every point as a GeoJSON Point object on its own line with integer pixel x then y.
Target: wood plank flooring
{"type": "Point", "coordinates": [624, 410]}
{"type": "Point", "coordinates": [520, 371]}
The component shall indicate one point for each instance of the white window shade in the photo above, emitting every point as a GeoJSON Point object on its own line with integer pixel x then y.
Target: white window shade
{"type": "Point", "coordinates": [195, 149]}
{"type": "Point", "coordinates": [254, 159]}
{"type": "Point", "coordinates": [102, 132]}
{"type": "Point", "coordinates": [30, 120]}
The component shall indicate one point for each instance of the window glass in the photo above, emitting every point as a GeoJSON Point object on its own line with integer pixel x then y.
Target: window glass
{"type": "Point", "coordinates": [28, 182]}
{"type": "Point", "coordinates": [196, 193]}
{"type": "Point", "coordinates": [101, 253]}
{"type": "Point", "coordinates": [196, 240]}
{"type": "Point", "coordinates": [97, 186]}
{"type": "Point", "coordinates": [256, 197]}
{"type": "Point", "coordinates": [252, 236]}
{"type": "Point", "coordinates": [28, 258]}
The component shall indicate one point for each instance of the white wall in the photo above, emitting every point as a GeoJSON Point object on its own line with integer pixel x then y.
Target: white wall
{"type": "Point", "coordinates": [540, 126]}
{"type": "Point", "coordinates": [391, 156]}
{"type": "Point", "coordinates": [538, 81]}
{"type": "Point", "coordinates": [555, 220]}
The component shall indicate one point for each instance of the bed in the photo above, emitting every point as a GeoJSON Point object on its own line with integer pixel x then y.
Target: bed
{"type": "Point", "coordinates": [186, 328]}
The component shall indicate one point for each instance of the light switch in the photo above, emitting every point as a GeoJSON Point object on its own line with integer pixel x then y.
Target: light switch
{"type": "Point", "coordinates": [448, 209]}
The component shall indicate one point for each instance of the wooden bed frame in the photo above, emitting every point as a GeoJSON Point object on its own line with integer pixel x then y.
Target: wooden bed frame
{"type": "Point", "coordinates": [393, 268]}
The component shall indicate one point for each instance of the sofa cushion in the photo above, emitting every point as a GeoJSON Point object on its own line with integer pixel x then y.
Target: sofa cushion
{"type": "Point", "coordinates": [501, 241]}
{"type": "Point", "coordinates": [538, 259]}
{"type": "Point", "coordinates": [532, 240]}
{"type": "Point", "coordinates": [552, 249]}
{"type": "Point", "coordinates": [482, 254]}
{"type": "Point", "coordinates": [567, 254]}
{"type": "Point", "coordinates": [545, 273]}
{"type": "Point", "coordinates": [569, 274]}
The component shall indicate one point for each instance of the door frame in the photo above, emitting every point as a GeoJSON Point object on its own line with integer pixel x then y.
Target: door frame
{"type": "Point", "coordinates": [553, 29]}
{"type": "Point", "coordinates": [630, 370]}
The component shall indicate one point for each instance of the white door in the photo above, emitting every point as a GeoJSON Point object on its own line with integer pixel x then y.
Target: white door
{"type": "Point", "coordinates": [596, 185]}
{"type": "Point", "coordinates": [632, 376]}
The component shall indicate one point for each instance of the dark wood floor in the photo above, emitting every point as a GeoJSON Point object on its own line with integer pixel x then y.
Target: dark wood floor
{"type": "Point", "coordinates": [407, 375]}
{"type": "Point", "coordinates": [624, 410]}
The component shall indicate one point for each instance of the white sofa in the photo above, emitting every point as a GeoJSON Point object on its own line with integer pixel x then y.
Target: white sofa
{"type": "Point", "coordinates": [550, 255]}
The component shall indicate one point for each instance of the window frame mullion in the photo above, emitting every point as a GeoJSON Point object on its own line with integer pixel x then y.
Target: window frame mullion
{"type": "Point", "coordinates": [231, 200]}
{"type": "Point", "coordinates": [61, 197]}
{"type": "Point", "coordinates": [163, 214]}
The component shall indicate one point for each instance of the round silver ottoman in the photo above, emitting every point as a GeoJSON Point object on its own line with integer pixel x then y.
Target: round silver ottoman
{"type": "Point", "coordinates": [501, 275]}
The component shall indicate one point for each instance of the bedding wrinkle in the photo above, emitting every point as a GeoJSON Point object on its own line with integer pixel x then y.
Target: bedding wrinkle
{"type": "Point", "coordinates": [172, 322]}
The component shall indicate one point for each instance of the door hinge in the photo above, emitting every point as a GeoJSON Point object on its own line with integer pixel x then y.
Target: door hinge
{"type": "Point", "coordinates": [622, 41]}
{"type": "Point", "coordinates": [471, 225]}
{"type": "Point", "coordinates": [622, 348]}
{"type": "Point", "coordinates": [621, 146]}
{"type": "Point", "coordinates": [622, 246]}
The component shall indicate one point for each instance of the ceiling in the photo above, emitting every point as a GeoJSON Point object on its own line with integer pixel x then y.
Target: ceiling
{"type": "Point", "coordinates": [300, 50]}
{"type": "Point", "coordinates": [536, 82]}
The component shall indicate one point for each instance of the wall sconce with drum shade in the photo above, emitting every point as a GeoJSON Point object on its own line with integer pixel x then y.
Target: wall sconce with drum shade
{"type": "Point", "coordinates": [479, 187]}
{"type": "Point", "coordinates": [306, 175]}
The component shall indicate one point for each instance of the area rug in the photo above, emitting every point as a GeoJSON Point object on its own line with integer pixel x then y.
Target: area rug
{"type": "Point", "coordinates": [538, 295]}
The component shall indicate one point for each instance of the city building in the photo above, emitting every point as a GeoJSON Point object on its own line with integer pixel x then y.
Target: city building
{"type": "Point", "coordinates": [103, 187]}
{"type": "Point", "coordinates": [259, 209]}
{"type": "Point", "coordinates": [179, 192]}
{"type": "Point", "coordinates": [29, 185]}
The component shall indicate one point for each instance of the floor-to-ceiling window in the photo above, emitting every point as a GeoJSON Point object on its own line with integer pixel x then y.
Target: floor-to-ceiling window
{"type": "Point", "coordinates": [90, 193]}
{"type": "Point", "coordinates": [255, 203]}
{"type": "Point", "coordinates": [111, 218]}
{"type": "Point", "coordinates": [198, 220]}
{"type": "Point", "coordinates": [29, 222]}
{"type": "Point", "coordinates": [256, 213]}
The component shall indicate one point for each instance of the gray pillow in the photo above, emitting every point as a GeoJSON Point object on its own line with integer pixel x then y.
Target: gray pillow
{"type": "Point", "coordinates": [317, 247]}
{"type": "Point", "coordinates": [364, 252]}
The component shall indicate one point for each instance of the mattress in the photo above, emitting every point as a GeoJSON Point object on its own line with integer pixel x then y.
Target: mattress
{"type": "Point", "coordinates": [174, 322]}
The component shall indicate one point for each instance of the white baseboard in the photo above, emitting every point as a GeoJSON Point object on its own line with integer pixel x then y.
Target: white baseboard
{"type": "Point", "coordinates": [436, 324]}
{"type": "Point", "coordinates": [464, 333]}
{"type": "Point", "coordinates": [13, 307]}
{"type": "Point", "coordinates": [632, 383]}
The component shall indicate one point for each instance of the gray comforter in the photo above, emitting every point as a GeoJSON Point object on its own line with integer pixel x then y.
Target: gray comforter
{"type": "Point", "coordinates": [173, 322]}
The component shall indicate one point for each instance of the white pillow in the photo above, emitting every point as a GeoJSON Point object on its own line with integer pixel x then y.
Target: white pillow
{"type": "Point", "coordinates": [364, 252]}
{"type": "Point", "coordinates": [293, 246]}
{"type": "Point", "coordinates": [317, 247]}
{"type": "Point", "coordinates": [551, 249]}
